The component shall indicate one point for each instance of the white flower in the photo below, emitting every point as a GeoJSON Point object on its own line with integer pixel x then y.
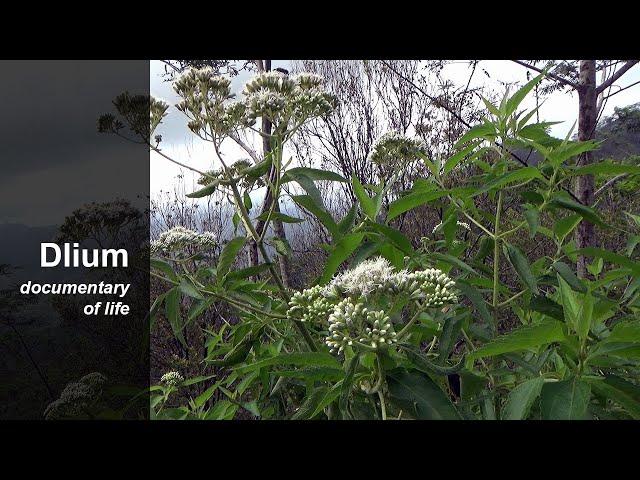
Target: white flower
{"type": "Point", "coordinates": [308, 81]}
{"type": "Point", "coordinates": [172, 379]}
{"type": "Point", "coordinates": [370, 276]}
{"type": "Point", "coordinates": [351, 324]}
{"type": "Point", "coordinates": [393, 148]}
{"type": "Point", "coordinates": [178, 238]}
{"type": "Point", "coordinates": [460, 224]}
{"type": "Point", "coordinates": [310, 305]}
{"type": "Point", "coordinates": [431, 286]}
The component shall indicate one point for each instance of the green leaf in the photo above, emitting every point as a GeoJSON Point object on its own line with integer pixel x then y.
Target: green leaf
{"type": "Point", "coordinates": [519, 175]}
{"type": "Point", "coordinates": [187, 287]}
{"type": "Point", "coordinates": [305, 359]}
{"type": "Point", "coordinates": [585, 316]}
{"type": "Point", "coordinates": [546, 306]}
{"type": "Point", "coordinates": [312, 173]}
{"type": "Point", "coordinates": [532, 215]}
{"type": "Point", "coordinates": [569, 150]}
{"type": "Point", "coordinates": [280, 216]}
{"type": "Point", "coordinates": [524, 338]}
{"type": "Point", "coordinates": [478, 302]}
{"type": "Point", "coordinates": [164, 267]}
{"type": "Point", "coordinates": [413, 200]}
{"type": "Point", "coordinates": [343, 249]}
{"type": "Point", "coordinates": [206, 191]}
{"type": "Point", "coordinates": [564, 226]}
{"type": "Point", "coordinates": [611, 257]}
{"type": "Point", "coordinates": [587, 213]}
{"type": "Point", "coordinates": [282, 246]}
{"type": "Point", "coordinates": [316, 402]}
{"type": "Point", "coordinates": [348, 220]}
{"type": "Point", "coordinates": [367, 204]}
{"type": "Point", "coordinates": [521, 266]}
{"type": "Point", "coordinates": [565, 400]}
{"type": "Point", "coordinates": [306, 202]}
{"type": "Point", "coordinates": [604, 168]}
{"type": "Point", "coordinates": [568, 276]}
{"type": "Point", "coordinates": [422, 363]}
{"type": "Point", "coordinates": [570, 303]}
{"type": "Point", "coordinates": [228, 255]}
{"type": "Point", "coordinates": [624, 393]}
{"type": "Point", "coordinates": [172, 309]}
{"type": "Point", "coordinates": [455, 159]}
{"type": "Point", "coordinates": [396, 237]}
{"type": "Point", "coordinates": [417, 395]}
{"type": "Point", "coordinates": [521, 399]}
{"type": "Point", "coordinates": [625, 332]}
{"type": "Point", "coordinates": [346, 386]}
{"type": "Point", "coordinates": [517, 98]}
{"type": "Point", "coordinates": [479, 131]}
{"type": "Point", "coordinates": [456, 262]}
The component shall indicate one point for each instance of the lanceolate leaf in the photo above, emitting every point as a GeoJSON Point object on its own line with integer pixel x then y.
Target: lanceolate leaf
{"type": "Point", "coordinates": [228, 255]}
{"type": "Point", "coordinates": [413, 200]}
{"type": "Point", "coordinates": [611, 257]}
{"type": "Point", "coordinates": [587, 213]}
{"type": "Point", "coordinates": [367, 204]}
{"type": "Point", "coordinates": [312, 173]}
{"type": "Point", "coordinates": [340, 253]}
{"type": "Point", "coordinates": [206, 191]}
{"type": "Point", "coordinates": [523, 338]}
{"type": "Point", "coordinates": [475, 296]}
{"type": "Point", "coordinates": [521, 399]}
{"type": "Point", "coordinates": [419, 397]}
{"type": "Point", "coordinates": [521, 266]}
{"type": "Point", "coordinates": [520, 175]}
{"type": "Point", "coordinates": [306, 202]}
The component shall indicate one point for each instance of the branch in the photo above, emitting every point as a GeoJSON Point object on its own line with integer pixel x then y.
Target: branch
{"type": "Point", "coordinates": [468, 125]}
{"type": "Point", "coordinates": [603, 86]}
{"type": "Point", "coordinates": [558, 78]}
{"type": "Point", "coordinates": [609, 183]}
{"type": "Point", "coordinates": [622, 89]}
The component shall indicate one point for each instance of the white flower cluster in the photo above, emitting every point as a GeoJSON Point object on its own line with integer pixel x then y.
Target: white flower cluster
{"type": "Point", "coordinates": [274, 95]}
{"type": "Point", "coordinates": [394, 149]}
{"type": "Point", "coordinates": [348, 302]}
{"type": "Point", "coordinates": [172, 379]}
{"type": "Point", "coordinates": [203, 96]}
{"type": "Point", "coordinates": [431, 287]}
{"type": "Point", "coordinates": [157, 111]}
{"type": "Point", "coordinates": [370, 276]}
{"type": "Point", "coordinates": [310, 305]}
{"type": "Point", "coordinates": [76, 397]}
{"type": "Point", "coordinates": [178, 238]}
{"type": "Point", "coordinates": [351, 321]}
{"type": "Point", "coordinates": [460, 224]}
{"type": "Point", "coordinates": [283, 99]}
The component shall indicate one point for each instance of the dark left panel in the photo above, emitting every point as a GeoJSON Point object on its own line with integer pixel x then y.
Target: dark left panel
{"type": "Point", "coordinates": [64, 182]}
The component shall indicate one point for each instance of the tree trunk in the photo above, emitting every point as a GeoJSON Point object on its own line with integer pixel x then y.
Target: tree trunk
{"type": "Point", "coordinates": [584, 185]}
{"type": "Point", "coordinates": [278, 227]}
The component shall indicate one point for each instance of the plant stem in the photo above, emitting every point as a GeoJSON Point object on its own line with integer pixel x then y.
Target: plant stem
{"type": "Point", "coordinates": [496, 260]}
{"type": "Point", "coordinates": [383, 407]}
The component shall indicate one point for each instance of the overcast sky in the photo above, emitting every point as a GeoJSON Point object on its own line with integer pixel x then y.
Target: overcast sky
{"type": "Point", "coordinates": [53, 158]}
{"type": "Point", "coordinates": [179, 142]}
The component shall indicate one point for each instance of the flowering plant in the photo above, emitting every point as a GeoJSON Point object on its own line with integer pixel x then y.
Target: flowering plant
{"type": "Point", "coordinates": [392, 328]}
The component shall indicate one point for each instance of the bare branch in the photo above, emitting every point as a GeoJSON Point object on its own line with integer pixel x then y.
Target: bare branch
{"type": "Point", "coordinates": [558, 78]}
{"type": "Point", "coordinates": [603, 86]}
{"type": "Point", "coordinates": [622, 89]}
{"type": "Point", "coordinates": [467, 124]}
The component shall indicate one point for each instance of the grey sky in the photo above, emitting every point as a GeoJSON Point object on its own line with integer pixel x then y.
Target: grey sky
{"type": "Point", "coordinates": [53, 158]}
